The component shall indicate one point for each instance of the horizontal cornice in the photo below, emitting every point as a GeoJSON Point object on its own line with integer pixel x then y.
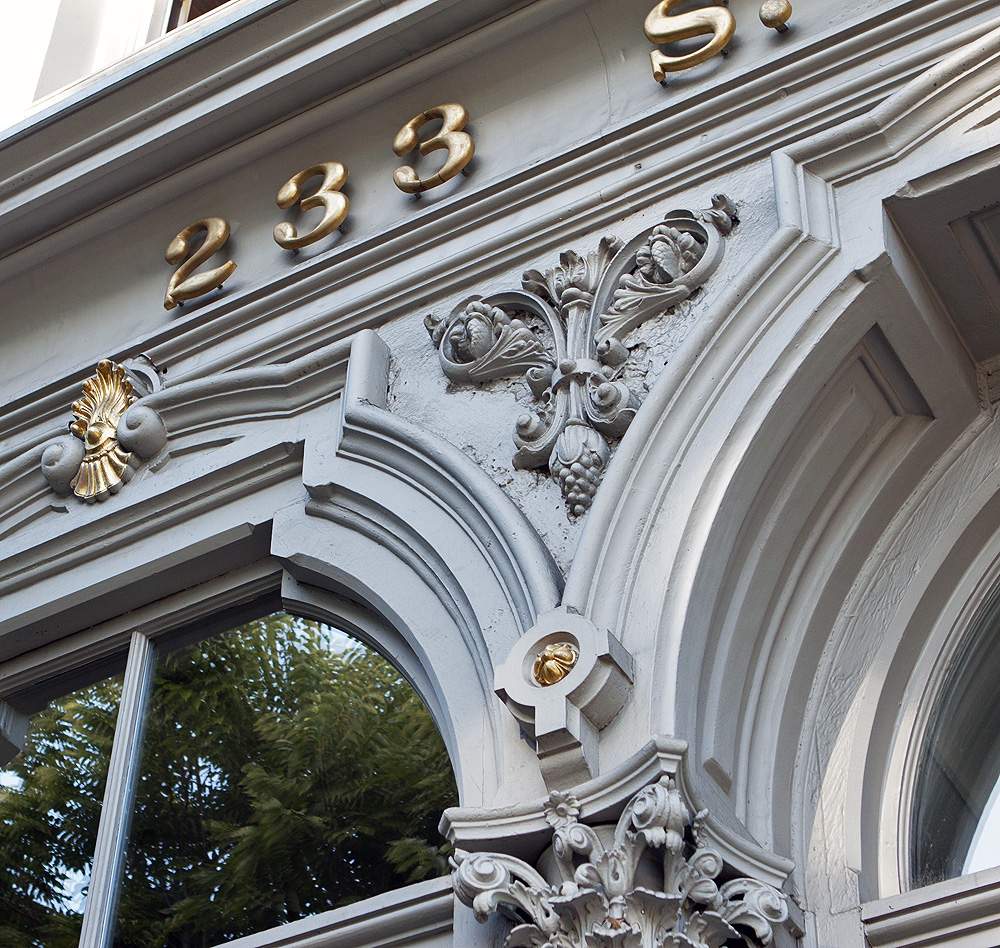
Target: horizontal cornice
{"type": "Point", "coordinates": [178, 102]}
{"type": "Point", "coordinates": [533, 212]}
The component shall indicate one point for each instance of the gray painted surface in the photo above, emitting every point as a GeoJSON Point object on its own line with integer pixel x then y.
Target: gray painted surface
{"type": "Point", "coordinates": [791, 538]}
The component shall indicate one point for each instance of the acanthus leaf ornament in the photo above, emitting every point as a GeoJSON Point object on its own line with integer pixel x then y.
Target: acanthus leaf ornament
{"type": "Point", "coordinates": [588, 305]}
{"type": "Point", "coordinates": [596, 892]}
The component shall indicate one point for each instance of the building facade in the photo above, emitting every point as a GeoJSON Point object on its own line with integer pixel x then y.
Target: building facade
{"type": "Point", "coordinates": [639, 407]}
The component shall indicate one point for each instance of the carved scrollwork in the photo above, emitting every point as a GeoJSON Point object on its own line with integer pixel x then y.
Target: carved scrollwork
{"type": "Point", "coordinates": [597, 892]}
{"type": "Point", "coordinates": [110, 435]}
{"type": "Point", "coordinates": [588, 304]}
{"type": "Point", "coordinates": [482, 342]}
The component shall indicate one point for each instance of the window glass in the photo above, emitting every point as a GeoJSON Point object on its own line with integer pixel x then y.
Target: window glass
{"type": "Point", "coordinates": [50, 805]}
{"type": "Point", "coordinates": [287, 771]}
{"type": "Point", "coordinates": [960, 763]}
{"type": "Point", "coordinates": [184, 11]}
{"type": "Point", "coordinates": [985, 850]}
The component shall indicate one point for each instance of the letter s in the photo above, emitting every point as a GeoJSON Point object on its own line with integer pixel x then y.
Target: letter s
{"type": "Point", "coordinates": [661, 27]}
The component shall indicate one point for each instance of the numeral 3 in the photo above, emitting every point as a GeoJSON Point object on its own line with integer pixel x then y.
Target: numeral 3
{"type": "Point", "coordinates": [459, 145]}
{"type": "Point", "coordinates": [335, 205]}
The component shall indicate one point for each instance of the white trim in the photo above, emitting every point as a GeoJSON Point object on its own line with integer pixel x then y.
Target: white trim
{"type": "Point", "coordinates": [416, 915]}
{"type": "Point", "coordinates": [959, 913]}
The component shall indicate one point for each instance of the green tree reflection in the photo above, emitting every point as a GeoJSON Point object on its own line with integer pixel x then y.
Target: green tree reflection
{"type": "Point", "coordinates": [281, 778]}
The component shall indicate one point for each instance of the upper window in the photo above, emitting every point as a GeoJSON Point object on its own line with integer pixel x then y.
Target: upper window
{"type": "Point", "coordinates": [285, 770]}
{"type": "Point", "coordinates": [184, 11]}
{"type": "Point", "coordinates": [956, 819]}
{"type": "Point", "coordinates": [61, 42]}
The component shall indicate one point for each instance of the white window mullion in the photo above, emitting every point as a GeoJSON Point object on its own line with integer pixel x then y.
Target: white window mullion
{"type": "Point", "coordinates": [119, 796]}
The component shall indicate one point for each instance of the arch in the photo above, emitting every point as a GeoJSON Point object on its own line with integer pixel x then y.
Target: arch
{"type": "Point", "coordinates": [397, 537]}
{"type": "Point", "coordinates": [406, 524]}
{"type": "Point", "coordinates": [760, 482]}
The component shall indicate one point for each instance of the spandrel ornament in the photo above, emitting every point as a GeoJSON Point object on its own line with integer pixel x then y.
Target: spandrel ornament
{"type": "Point", "coordinates": [574, 366]}
{"type": "Point", "coordinates": [652, 883]}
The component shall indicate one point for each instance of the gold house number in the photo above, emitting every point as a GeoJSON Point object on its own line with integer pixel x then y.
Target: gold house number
{"type": "Point", "coordinates": [185, 284]}
{"type": "Point", "coordinates": [663, 26]}
{"type": "Point", "coordinates": [335, 205]}
{"type": "Point", "coordinates": [459, 145]}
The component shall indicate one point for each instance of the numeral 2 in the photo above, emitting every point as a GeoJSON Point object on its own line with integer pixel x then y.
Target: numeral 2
{"type": "Point", "coordinates": [185, 286]}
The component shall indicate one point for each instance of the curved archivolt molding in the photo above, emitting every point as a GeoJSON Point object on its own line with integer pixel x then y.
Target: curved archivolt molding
{"type": "Point", "coordinates": [401, 521]}
{"type": "Point", "coordinates": [792, 426]}
{"type": "Point", "coordinates": [399, 538]}
{"type": "Point", "coordinates": [939, 570]}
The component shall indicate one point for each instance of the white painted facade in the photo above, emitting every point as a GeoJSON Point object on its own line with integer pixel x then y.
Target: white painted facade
{"type": "Point", "coordinates": [790, 542]}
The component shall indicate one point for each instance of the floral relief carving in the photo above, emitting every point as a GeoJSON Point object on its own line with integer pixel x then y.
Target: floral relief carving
{"type": "Point", "coordinates": [587, 304]}
{"type": "Point", "coordinates": [598, 892]}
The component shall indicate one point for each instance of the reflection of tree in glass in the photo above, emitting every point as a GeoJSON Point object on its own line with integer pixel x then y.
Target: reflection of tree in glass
{"type": "Point", "coordinates": [280, 779]}
{"type": "Point", "coordinates": [48, 817]}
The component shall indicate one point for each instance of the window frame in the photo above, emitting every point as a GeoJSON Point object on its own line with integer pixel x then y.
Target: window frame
{"type": "Point", "coordinates": [132, 644]}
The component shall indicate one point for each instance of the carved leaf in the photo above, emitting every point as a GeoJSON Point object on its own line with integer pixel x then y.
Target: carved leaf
{"type": "Point", "coordinates": [576, 379]}
{"type": "Point", "coordinates": [482, 342]}
{"type": "Point", "coordinates": [602, 907]}
{"type": "Point", "coordinates": [576, 277]}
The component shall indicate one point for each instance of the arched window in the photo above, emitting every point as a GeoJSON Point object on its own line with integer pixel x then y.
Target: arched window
{"type": "Point", "coordinates": [265, 774]}
{"type": "Point", "coordinates": [956, 808]}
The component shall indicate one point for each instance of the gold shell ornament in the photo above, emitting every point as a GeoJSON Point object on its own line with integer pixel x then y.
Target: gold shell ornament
{"type": "Point", "coordinates": [554, 663]}
{"type": "Point", "coordinates": [105, 466]}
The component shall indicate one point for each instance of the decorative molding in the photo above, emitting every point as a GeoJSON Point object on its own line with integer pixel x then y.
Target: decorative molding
{"type": "Point", "coordinates": [406, 524]}
{"type": "Point", "coordinates": [652, 884]}
{"type": "Point", "coordinates": [866, 77]}
{"type": "Point", "coordinates": [957, 913]}
{"type": "Point", "coordinates": [658, 538]}
{"type": "Point", "coordinates": [586, 306]}
{"type": "Point", "coordinates": [521, 830]}
{"type": "Point", "coordinates": [563, 716]}
{"type": "Point", "coordinates": [110, 439]}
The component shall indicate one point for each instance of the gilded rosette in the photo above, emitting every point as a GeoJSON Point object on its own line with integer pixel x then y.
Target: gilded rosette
{"type": "Point", "coordinates": [105, 466]}
{"type": "Point", "coordinates": [554, 663]}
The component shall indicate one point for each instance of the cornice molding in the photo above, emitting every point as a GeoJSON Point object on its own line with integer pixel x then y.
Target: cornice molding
{"type": "Point", "coordinates": [436, 249]}
{"type": "Point", "coordinates": [242, 72]}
